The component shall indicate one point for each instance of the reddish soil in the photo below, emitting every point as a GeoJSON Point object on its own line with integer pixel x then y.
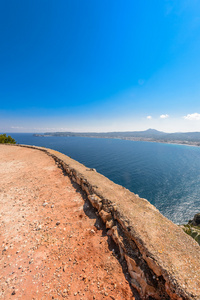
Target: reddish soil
{"type": "Point", "coordinates": [52, 243]}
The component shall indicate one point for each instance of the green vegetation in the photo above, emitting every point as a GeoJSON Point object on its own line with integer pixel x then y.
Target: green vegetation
{"type": "Point", "coordinates": [193, 231]}
{"type": "Point", "coordinates": [6, 139]}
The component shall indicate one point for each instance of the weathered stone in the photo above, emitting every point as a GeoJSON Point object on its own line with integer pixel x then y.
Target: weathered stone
{"type": "Point", "coordinates": [73, 178]}
{"type": "Point", "coordinates": [117, 239]}
{"type": "Point", "coordinates": [132, 266]}
{"type": "Point", "coordinates": [67, 170]}
{"type": "Point", "coordinates": [105, 216]}
{"type": "Point", "coordinates": [85, 188]}
{"type": "Point", "coordinates": [109, 224]}
{"type": "Point", "coordinates": [152, 265]}
{"type": "Point", "coordinates": [78, 180]}
{"type": "Point", "coordinates": [138, 275]}
{"type": "Point", "coordinates": [173, 295]}
{"type": "Point", "coordinates": [95, 201]}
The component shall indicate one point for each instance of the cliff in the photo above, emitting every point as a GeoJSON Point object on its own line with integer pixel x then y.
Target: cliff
{"type": "Point", "coordinates": [163, 261]}
{"type": "Point", "coordinates": [52, 243]}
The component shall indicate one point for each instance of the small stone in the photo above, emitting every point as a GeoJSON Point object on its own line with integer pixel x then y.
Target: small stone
{"type": "Point", "coordinates": [44, 204]}
{"type": "Point", "coordinates": [58, 223]}
{"type": "Point", "coordinates": [13, 292]}
{"type": "Point", "coordinates": [39, 227]}
{"type": "Point", "coordinates": [64, 268]}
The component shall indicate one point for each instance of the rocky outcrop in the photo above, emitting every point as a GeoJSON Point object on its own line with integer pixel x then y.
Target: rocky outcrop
{"type": "Point", "coordinates": [196, 220]}
{"type": "Point", "coordinates": [193, 228]}
{"type": "Point", "coordinates": [163, 261]}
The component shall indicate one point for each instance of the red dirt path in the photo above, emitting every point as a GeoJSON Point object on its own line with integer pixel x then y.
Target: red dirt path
{"type": "Point", "coordinates": [52, 244]}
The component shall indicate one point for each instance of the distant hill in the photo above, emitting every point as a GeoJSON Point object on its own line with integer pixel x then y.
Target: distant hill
{"type": "Point", "coordinates": [191, 138]}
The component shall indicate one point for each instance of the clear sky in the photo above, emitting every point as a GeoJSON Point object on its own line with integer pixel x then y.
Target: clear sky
{"type": "Point", "coordinates": [99, 65]}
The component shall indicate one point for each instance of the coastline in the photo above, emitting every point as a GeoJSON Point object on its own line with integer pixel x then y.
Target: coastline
{"type": "Point", "coordinates": [134, 139]}
{"type": "Point", "coordinates": [164, 142]}
{"type": "Point", "coordinates": [126, 153]}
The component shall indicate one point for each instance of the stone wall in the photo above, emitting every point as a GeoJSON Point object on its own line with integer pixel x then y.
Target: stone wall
{"type": "Point", "coordinates": [163, 261]}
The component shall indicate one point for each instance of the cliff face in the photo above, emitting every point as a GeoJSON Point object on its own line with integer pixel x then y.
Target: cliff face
{"type": "Point", "coordinates": [163, 261]}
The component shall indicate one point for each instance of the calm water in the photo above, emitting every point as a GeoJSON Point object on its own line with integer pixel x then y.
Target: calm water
{"type": "Point", "coordinates": [166, 175]}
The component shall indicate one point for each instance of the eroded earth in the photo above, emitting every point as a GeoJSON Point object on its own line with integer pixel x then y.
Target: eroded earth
{"type": "Point", "coordinates": [52, 243]}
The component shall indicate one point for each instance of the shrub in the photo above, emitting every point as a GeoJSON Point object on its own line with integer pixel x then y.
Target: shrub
{"type": "Point", "coordinates": [6, 139]}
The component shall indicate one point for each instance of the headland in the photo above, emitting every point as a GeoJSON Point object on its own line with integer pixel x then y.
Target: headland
{"type": "Point", "coordinates": [150, 135]}
{"type": "Point", "coordinates": [162, 261]}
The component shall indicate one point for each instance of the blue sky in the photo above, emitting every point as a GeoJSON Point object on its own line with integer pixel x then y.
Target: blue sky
{"type": "Point", "coordinates": [91, 65]}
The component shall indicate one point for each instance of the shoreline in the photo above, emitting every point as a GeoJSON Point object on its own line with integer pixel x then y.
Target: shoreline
{"type": "Point", "coordinates": [163, 142]}
{"type": "Point", "coordinates": [177, 142]}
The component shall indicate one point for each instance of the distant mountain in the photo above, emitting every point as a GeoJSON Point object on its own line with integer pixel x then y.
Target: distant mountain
{"type": "Point", "coordinates": [147, 135]}
{"type": "Point", "coordinates": [187, 136]}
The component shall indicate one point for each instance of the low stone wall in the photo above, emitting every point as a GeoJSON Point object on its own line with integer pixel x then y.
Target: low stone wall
{"type": "Point", "coordinates": [163, 261]}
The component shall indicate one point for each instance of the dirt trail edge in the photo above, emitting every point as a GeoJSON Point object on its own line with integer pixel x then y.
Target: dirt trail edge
{"type": "Point", "coordinates": [52, 243]}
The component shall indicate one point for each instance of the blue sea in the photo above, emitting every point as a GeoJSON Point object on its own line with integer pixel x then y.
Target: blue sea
{"type": "Point", "coordinates": [167, 175]}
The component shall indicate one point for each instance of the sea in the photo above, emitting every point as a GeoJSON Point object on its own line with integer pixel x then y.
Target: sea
{"type": "Point", "coordinates": [167, 175]}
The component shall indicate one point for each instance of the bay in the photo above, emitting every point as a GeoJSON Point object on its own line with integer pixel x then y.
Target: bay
{"type": "Point", "coordinates": [167, 175]}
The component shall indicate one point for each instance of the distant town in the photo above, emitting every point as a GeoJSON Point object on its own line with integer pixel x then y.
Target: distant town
{"type": "Point", "coordinates": [150, 135]}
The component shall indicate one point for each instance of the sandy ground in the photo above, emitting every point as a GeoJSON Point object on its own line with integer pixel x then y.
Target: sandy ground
{"type": "Point", "coordinates": [52, 243]}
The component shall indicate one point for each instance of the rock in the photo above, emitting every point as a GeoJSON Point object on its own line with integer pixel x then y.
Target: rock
{"type": "Point", "coordinates": [105, 216]}
{"type": "Point", "coordinates": [95, 201]}
{"type": "Point", "coordinates": [92, 169]}
{"type": "Point", "coordinates": [58, 223]}
{"type": "Point", "coordinates": [109, 224]}
{"type": "Point", "coordinates": [64, 268]}
{"type": "Point", "coordinates": [196, 220]}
